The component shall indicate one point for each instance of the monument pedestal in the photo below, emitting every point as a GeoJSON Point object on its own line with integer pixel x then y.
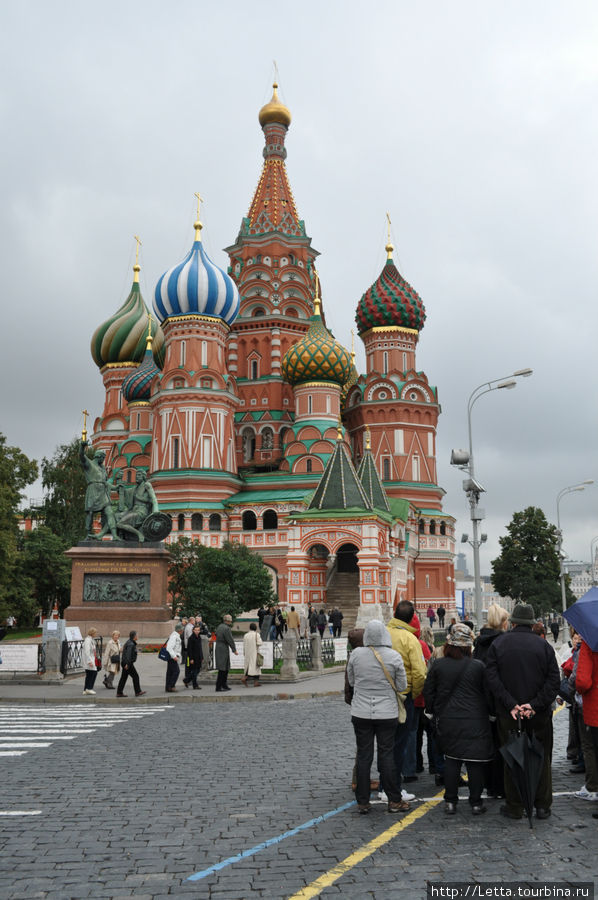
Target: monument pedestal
{"type": "Point", "coordinates": [117, 585]}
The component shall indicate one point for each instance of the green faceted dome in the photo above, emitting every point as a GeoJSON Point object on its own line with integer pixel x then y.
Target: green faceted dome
{"type": "Point", "coordinates": [122, 338]}
{"type": "Point", "coordinates": [317, 356]}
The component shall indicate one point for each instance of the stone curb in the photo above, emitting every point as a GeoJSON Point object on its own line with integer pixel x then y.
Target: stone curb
{"type": "Point", "coordinates": [168, 701]}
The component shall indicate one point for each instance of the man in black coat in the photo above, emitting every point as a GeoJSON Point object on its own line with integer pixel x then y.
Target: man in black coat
{"type": "Point", "coordinates": [127, 661]}
{"type": "Point", "coordinates": [336, 618]}
{"type": "Point", "coordinates": [523, 675]}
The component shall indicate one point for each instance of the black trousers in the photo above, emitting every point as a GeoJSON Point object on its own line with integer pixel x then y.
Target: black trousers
{"type": "Point", "coordinates": [541, 726]}
{"type": "Point", "coordinates": [191, 675]}
{"type": "Point", "coordinates": [172, 673]}
{"type": "Point", "coordinates": [475, 776]}
{"type": "Point", "coordinates": [132, 671]}
{"type": "Point", "coordinates": [383, 732]}
{"type": "Point", "coordinates": [336, 630]}
{"type": "Point", "coordinates": [222, 678]}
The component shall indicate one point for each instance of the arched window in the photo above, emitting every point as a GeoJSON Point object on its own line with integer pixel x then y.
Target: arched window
{"type": "Point", "coordinates": [270, 520]}
{"type": "Point", "coordinates": [421, 526]}
{"type": "Point", "coordinates": [183, 353]}
{"type": "Point", "coordinates": [267, 439]}
{"type": "Point", "coordinates": [215, 522]}
{"type": "Point", "coordinates": [196, 522]}
{"type": "Point", "coordinates": [175, 453]}
{"type": "Point", "coordinates": [308, 465]}
{"type": "Point", "coordinates": [309, 404]}
{"type": "Point", "coordinates": [248, 437]}
{"type": "Point", "coordinates": [249, 520]}
{"type": "Point", "coordinates": [432, 526]}
{"type": "Point", "coordinates": [253, 369]}
{"type": "Point", "coordinates": [181, 522]}
{"type": "Point", "coordinates": [386, 469]}
{"type": "Point", "coordinates": [258, 312]}
{"type": "Point", "coordinates": [385, 362]}
{"type": "Point", "coordinates": [443, 528]}
{"type": "Point", "coordinates": [404, 362]}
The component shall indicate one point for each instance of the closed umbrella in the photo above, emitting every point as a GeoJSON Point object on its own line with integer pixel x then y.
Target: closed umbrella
{"type": "Point", "coordinates": [524, 754]}
{"type": "Point", "coordinates": [583, 615]}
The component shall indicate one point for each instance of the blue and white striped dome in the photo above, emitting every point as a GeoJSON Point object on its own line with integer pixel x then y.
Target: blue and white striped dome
{"type": "Point", "coordinates": [196, 287]}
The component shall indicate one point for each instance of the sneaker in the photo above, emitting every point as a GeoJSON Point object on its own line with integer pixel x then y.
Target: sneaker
{"type": "Point", "coordinates": [585, 794]}
{"type": "Point", "coordinates": [406, 796]}
{"type": "Point", "coordinates": [382, 796]}
{"type": "Point", "coordinates": [403, 806]}
{"type": "Point", "coordinates": [90, 691]}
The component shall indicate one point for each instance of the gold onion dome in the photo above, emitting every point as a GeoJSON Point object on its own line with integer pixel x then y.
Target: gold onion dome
{"type": "Point", "coordinates": [275, 111]}
{"type": "Point", "coordinates": [317, 356]}
{"type": "Point", "coordinates": [122, 338]}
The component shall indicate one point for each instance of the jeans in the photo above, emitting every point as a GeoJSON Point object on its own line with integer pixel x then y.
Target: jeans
{"type": "Point", "coordinates": [401, 738]}
{"type": "Point", "coordinates": [383, 731]}
{"type": "Point", "coordinates": [126, 671]}
{"type": "Point", "coordinates": [172, 673]}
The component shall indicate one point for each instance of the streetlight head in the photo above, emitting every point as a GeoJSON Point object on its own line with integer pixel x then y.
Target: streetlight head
{"type": "Point", "coordinates": [459, 457]}
{"type": "Point", "coordinates": [524, 373]}
{"type": "Point", "coordinates": [483, 538]}
{"type": "Point", "coordinates": [508, 385]}
{"type": "Point", "coordinates": [588, 481]}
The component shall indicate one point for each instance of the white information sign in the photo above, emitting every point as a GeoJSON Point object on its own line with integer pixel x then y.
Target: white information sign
{"type": "Point", "coordinates": [18, 657]}
{"type": "Point", "coordinates": [73, 633]}
{"type": "Point", "coordinates": [340, 650]}
{"type": "Point", "coordinates": [51, 626]}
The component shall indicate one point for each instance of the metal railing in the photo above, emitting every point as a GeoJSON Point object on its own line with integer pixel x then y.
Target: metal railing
{"type": "Point", "coordinates": [72, 655]}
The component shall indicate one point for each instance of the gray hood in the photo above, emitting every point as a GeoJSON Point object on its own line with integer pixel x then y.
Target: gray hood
{"type": "Point", "coordinates": [376, 634]}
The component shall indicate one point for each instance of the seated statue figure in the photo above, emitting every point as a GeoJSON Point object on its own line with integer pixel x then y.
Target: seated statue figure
{"type": "Point", "coordinates": [135, 504]}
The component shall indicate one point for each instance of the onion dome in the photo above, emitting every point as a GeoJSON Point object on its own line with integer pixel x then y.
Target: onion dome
{"type": "Point", "coordinates": [275, 111]}
{"type": "Point", "coordinates": [196, 287]}
{"type": "Point", "coordinates": [390, 301]}
{"type": "Point", "coordinates": [317, 356]}
{"type": "Point", "coordinates": [122, 338]}
{"type": "Point", "coordinates": [136, 387]}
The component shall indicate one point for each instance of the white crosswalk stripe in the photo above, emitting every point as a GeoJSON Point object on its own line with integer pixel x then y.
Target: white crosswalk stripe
{"type": "Point", "coordinates": [26, 728]}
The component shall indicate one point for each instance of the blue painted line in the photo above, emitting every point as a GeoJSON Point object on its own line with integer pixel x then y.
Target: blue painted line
{"type": "Point", "coordinates": [275, 840]}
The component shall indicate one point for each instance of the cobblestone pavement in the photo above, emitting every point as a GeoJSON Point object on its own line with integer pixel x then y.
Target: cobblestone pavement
{"type": "Point", "coordinates": [135, 809]}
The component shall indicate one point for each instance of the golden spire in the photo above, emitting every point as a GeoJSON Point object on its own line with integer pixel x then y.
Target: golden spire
{"type": "Point", "coordinates": [84, 430]}
{"type": "Point", "coordinates": [197, 224]}
{"type": "Point", "coordinates": [148, 343]}
{"type": "Point", "coordinates": [352, 346]}
{"type": "Point", "coordinates": [137, 267]}
{"type": "Point", "coordinates": [389, 247]}
{"type": "Point", "coordinates": [339, 430]}
{"type": "Point", "coordinates": [368, 443]}
{"type": "Point", "coordinates": [317, 301]}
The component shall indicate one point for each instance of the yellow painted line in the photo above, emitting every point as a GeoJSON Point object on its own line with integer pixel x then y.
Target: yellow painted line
{"type": "Point", "coordinates": [328, 878]}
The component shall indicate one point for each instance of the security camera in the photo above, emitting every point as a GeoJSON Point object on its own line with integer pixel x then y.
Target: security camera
{"type": "Point", "coordinates": [470, 484]}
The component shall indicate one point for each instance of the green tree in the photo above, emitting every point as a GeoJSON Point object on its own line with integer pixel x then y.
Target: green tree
{"type": "Point", "coordinates": [16, 472]}
{"type": "Point", "coordinates": [43, 564]}
{"type": "Point", "coordinates": [528, 567]}
{"type": "Point", "coordinates": [215, 582]}
{"type": "Point", "coordinates": [64, 485]}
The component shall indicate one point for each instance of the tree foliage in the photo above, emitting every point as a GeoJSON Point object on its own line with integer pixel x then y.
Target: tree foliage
{"type": "Point", "coordinates": [216, 582]}
{"type": "Point", "coordinates": [528, 567]}
{"type": "Point", "coordinates": [42, 562]}
{"type": "Point", "coordinates": [16, 472]}
{"type": "Point", "coordinates": [64, 500]}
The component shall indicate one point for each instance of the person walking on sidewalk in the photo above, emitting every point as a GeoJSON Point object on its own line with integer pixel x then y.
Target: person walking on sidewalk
{"type": "Point", "coordinates": [194, 657]}
{"type": "Point", "coordinates": [173, 666]}
{"type": "Point", "coordinates": [89, 661]}
{"type": "Point", "coordinates": [128, 659]}
{"type": "Point", "coordinates": [523, 675]}
{"type": "Point", "coordinates": [224, 643]}
{"type": "Point", "coordinates": [251, 642]}
{"type": "Point", "coordinates": [336, 618]}
{"type": "Point", "coordinates": [293, 621]}
{"type": "Point", "coordinates": [111, 663]}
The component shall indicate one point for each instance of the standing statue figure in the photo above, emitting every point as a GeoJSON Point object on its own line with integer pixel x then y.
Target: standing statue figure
{"type": "Point", "coordinates": [97, 495]}
{"type": "Point", "coordinates": [135, 504]}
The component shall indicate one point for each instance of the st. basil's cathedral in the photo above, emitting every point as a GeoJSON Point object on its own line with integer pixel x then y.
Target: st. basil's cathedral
{"type": "Point", "coordinates": [254, 425]}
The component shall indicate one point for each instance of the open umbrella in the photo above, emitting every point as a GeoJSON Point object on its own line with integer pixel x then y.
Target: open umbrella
{"type": "Point", "coordinates": [524, 754]}
{"type": "Point", "coordinates": [583, 615]}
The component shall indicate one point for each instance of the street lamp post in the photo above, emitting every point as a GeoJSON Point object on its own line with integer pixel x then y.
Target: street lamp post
{"type": "Point", "coordinates": [592, 570]}
{"type": "Point", "coordinates": [567, 490]}
{"type": "Point", "coordinates": [465, 461]}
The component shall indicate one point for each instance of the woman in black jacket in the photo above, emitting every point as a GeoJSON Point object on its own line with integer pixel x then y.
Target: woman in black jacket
{"type": "Point", "coordinates": [194, 656]}
{"type": "Point", "coordinates": [497, 624]}
{"type": "Point", "coordinates": [456, 697]}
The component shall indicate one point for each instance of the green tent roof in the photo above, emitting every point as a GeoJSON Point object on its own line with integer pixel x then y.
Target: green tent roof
{"type": "Point", "coordinates": [371, 482]}
{"type": "Point", "coordinates": [340, 487]}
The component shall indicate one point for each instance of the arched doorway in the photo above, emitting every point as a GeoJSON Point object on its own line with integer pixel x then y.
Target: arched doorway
{"type": "Point", "coordinates": [347, 558]}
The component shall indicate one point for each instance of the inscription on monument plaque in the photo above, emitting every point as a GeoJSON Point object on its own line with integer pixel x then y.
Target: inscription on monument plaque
{"type": "Point", "coordinates": [103, 588]}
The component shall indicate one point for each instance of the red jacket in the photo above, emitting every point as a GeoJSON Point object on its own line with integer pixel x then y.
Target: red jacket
{"type": "Point", "coordinates": [416, 625]}
{"type": "Point", "coordinates": [586, 682]}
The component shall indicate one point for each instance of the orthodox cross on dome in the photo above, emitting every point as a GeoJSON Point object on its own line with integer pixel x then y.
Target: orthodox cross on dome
{"type": "Point", "coordinates": [389, 247]}
{"type": "Point", "coordinates": [197, 224]}
{"type": "Point", "coordinates": [137, 267]}
{"type": "Point", "coordinates": [148, 345]}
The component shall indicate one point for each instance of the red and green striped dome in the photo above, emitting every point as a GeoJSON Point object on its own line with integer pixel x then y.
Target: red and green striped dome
{"type": "Point", "coordinates": [390, 301]}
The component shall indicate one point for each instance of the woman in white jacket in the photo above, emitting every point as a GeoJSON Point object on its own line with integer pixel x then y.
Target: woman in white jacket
{"type": "Point", "coordinates": [89, 661]}
{"type": "Point", "coordinates": [251, 642]}
{"type": "Point", "coordinates": [374, 712]}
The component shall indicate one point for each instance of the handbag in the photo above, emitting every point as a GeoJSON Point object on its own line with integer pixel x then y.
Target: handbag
{"type": "Point", "coordinates": [98, 663]}
{"type": "Point", "coordinates": [402, 717]}
{"type": "Point", "coordinates": [115, 658]}
{"type": "Point", "coordinates": [163, 654]}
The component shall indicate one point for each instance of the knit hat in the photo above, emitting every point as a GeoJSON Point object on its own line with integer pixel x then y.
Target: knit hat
{"type": "Point", "coordinates": [523, 614]}
{"type": "Point", "coordinates": [461, 635]}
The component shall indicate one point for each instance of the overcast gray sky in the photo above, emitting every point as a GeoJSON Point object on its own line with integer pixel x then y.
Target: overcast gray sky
{"type": "Point", "coordinates": [473, 123]}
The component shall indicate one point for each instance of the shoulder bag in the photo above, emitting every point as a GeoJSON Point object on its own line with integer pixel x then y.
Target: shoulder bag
{"type": "Point", "coordinates": [402, 717]}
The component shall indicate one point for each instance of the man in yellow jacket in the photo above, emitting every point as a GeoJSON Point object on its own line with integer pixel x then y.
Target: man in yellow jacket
{"type": "Point", "coordinates": [405, 642]}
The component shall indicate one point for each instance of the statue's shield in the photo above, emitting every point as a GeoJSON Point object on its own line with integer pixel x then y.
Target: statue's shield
{"type": "Point", "coordinates": [156, 527]}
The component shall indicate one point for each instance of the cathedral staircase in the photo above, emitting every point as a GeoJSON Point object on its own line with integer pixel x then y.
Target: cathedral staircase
{"type": "Point", "coordinates": [343, 592]}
